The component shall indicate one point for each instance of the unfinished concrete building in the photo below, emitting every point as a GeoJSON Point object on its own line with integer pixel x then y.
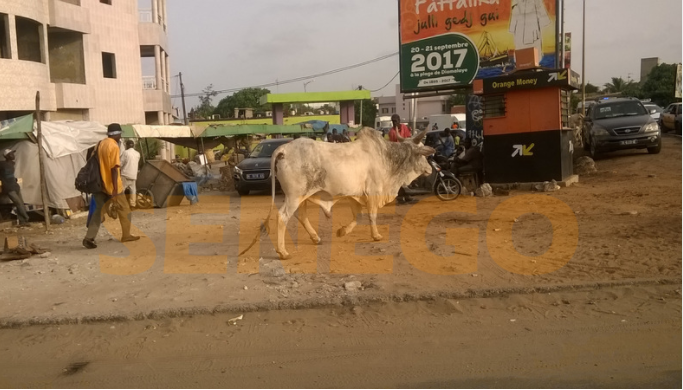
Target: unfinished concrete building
{"type": "Point", "coordinates": [96, 60]}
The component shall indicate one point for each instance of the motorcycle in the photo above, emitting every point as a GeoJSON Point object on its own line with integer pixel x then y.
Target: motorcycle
{"type": "Point", "coordinates": [446, 186]}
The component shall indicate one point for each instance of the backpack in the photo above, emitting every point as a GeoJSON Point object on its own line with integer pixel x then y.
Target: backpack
{"type": "Point", "coordinates": [89, 179]}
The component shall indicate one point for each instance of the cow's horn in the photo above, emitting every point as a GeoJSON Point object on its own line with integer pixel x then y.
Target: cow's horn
{"type": "Point", "coordinates": [418, 138]}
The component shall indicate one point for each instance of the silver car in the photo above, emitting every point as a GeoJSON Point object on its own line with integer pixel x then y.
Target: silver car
{"type": "Point", "coordinates": [654, 110]}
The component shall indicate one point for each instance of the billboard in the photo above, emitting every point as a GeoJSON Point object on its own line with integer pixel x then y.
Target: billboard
{"type": "Point", "coordinates": [448, 43]}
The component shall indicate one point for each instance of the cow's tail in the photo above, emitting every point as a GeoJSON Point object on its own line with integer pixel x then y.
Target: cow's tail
{"type": "Point", "coordinates": [265, 226]}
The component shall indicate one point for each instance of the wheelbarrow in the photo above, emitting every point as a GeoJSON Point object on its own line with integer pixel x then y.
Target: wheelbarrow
{"type": "Point", "coordinates": [161, 185]}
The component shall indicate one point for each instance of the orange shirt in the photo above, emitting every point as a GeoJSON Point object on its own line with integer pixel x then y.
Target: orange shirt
{"type": "Point", "coordinates": [404, 132]}
{"type": "Point", "coordinates": [109, 155]}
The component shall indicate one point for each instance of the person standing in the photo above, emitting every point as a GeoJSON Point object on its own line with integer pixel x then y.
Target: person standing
{"type": "Point", "coordinates": [345, 136]}
{"type": "Point", "coordinates": [398, 133]}
{"type": "Point", "coordinates": [112, 188]}
{"type": "Point", "coordinates": [10, 186]}
{"type": "Point", "coordinates": [130, 161]}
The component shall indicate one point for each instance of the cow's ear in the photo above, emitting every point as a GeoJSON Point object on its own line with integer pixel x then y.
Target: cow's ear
{"type": "Point", "coordinates": [426, 150]}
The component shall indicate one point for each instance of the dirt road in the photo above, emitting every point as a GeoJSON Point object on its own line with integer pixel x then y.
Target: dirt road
{"type": "Point", "coordinates": [614, 338]}
{"type": "Point", "coordinates": [628, 217]}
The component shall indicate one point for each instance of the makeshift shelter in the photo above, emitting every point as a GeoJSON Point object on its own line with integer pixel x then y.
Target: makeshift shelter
{"type": "Point", "coordinates": [186, 136]}
{"type": "Point", "coordinates": [16, 128]}
{"type": "Point", "coordinates": [235, 130]}
{"type": "Point", "coordinates": [66, 144]}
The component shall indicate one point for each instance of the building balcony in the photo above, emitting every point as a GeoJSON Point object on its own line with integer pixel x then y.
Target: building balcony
{"type": "Point", "coordinates": [68, 16]}
{"type": "Point", "coordinates": [70, 96]}
{"type": "Point", "coordinates": [157, 100]}
{"type": "Point", "coordinates": [149, 82]}
{"type": "Point", "coordinates": [150, 33]}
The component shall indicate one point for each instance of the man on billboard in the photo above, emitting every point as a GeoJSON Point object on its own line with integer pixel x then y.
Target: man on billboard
{"type": "Point", "coordinates": [527, 20]}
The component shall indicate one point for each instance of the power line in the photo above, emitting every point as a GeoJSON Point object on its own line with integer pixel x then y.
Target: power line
{"type": "Point", "coordinates": [385, 85]}
{"type": "Point", "coordinates": [298, 79]}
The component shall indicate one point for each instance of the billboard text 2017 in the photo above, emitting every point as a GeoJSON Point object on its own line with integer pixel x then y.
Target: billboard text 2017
{"type": "Point", "coordinates": [493, 29]}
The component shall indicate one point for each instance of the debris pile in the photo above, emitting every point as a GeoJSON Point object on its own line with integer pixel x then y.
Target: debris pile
{"type": "Point", "coordinates": [484, 191]}
{"type": "Point", "coordinates": [585, 166]}
{"type": "Point", "coordinates": [548, 186]}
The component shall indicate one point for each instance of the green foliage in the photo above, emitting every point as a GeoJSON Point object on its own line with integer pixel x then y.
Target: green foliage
{"type": "Point", "coordinates": [246, 98]}
{"type": "Point", "coordinates": [617, 85]}
{"type": "Point", "coordinates": [205, 108]}
{"type": "Point", "coordinates": [590, 88]}
{"type": "Point", "coordinates": [369, 112]}
{"type": "Point", "coordinates": [456, 100]}
{"type": "Point", "coordinates": [148, 147]}
{"type": "Point", "coordinates": [633, 89]}
{"type": "Point", "coordinates": [660, 85]}
{"type": "Point", "coordinates": [574, 100]}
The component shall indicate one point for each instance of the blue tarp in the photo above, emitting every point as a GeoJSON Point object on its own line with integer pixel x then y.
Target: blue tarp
{"type": "Point", "coordinates": [317, 125]}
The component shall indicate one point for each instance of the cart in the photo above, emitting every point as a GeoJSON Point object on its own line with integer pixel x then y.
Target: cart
{"type": "Point", "coordinates": [161, 185]}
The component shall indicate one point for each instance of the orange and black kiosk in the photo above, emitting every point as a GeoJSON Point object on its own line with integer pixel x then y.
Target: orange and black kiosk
{"type": "Point", "coordinates": [525, 129]}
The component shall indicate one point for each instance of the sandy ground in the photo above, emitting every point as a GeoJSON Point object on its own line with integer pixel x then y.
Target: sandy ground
{"type": "Point", "coordinates": [619, 226]}
{"type": "Point", "coordinates": [610, 338]}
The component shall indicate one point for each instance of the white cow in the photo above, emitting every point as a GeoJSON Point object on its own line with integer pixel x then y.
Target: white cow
{"type": "Point", "coordinates": [370, 171]}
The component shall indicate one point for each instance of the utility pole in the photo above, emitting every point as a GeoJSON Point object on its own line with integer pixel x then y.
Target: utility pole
{"type": "Point", "coordinates": [562, 38]}
{"type": "Point", "coordinates": [360, 88]}
{"type": "Point", "coordinates": [41, 164]}
{"type": "Point", "coordinates": [583, 62]}
{"type": "Point", "coordinates": [182, 95]}
{"type": "Point", "coordinates": [414, 105]}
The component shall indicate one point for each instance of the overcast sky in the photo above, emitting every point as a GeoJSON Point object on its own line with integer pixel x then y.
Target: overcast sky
{"type": "Point", "coordinates": [233, 44]}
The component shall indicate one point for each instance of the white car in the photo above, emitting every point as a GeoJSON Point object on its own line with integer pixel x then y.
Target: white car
{"type": "Point", "coordinates": [654, 110]}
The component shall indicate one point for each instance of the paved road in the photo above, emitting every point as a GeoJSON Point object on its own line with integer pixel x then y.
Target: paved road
{"type": "Point", "coordinates": [626, 337]}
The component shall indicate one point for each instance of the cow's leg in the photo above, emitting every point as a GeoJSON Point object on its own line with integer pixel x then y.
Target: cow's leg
{"type": "Point", "coordinates": [303, 218]}
{"type": "Point", "coordinates": [372, 209]}
{"type": "Point", "coordinates": [285, 213]}
{"type": "Point", "coordinates": [355, 210]}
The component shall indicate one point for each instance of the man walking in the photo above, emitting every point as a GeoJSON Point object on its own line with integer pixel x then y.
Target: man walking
{"type": "Point", "coordinates": [10, 186]}
{"type": "Point", "coordinates": [112, 188]}
{"type": "Point", "coordinates": [129, 170]}
{"type": "Point", "coordinates": [398, 133]}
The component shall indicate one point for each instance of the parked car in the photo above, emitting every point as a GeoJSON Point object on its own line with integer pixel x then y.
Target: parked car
{"type": "Point", "coordinates": [654, 110]}
{"type": "Point", "coordinates": [253, 173]}
{"type": "Point", "coordinates": [617, 124]}
{"type": "Point", "coordinates": [671, 118]}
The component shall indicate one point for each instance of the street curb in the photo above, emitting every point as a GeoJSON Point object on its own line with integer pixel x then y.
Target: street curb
{"type": "Point", "coordinates": [346, 300]}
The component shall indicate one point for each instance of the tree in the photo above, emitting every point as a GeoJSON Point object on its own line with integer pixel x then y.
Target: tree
{"type": "Point", "coordinates": [205, 108]}
{"type": "Point", "coordinates": [369, 112]}
{"type": "Point", "coordinates": [633, 89]}
{"type": "Point", "coordinates": [245, 98]}
{"type": "Point", "coordinates": [660, 85]}
{"type": "Point", "coordinates": [617, 85]}
{"type": "Point", "coordinates": [590, 88]}
{"type": "Point", "coordinates": [456, 100]}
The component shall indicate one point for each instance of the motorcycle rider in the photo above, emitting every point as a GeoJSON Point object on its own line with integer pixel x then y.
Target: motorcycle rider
{"type": "Point", "coordinates": [472, 161]}
{"type": "Point", "coordinates": [447, 148]}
